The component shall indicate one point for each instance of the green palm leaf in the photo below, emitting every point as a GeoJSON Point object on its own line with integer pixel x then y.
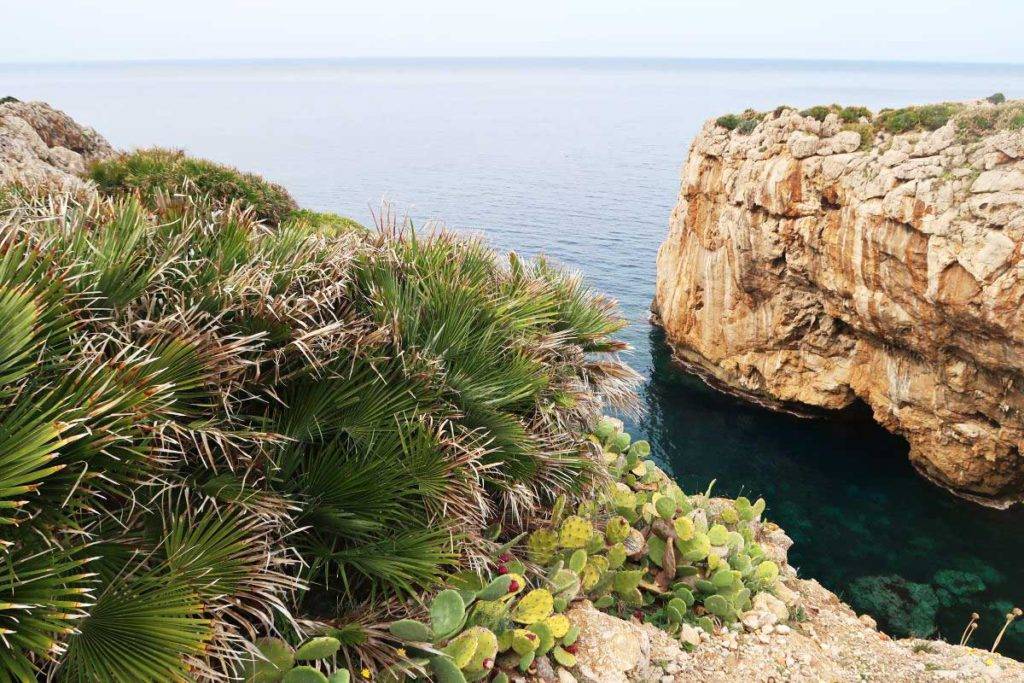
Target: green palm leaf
{"type": "Point", "coordinates": [42, 596]}
{"type": "Point", "coordinates": [143, 627]}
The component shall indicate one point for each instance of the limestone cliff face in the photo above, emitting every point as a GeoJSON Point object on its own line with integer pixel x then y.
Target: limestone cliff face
{"type": "Point", "coordinates": [40, 145]}
{"type": "Point", "coordinates": [806, 266]}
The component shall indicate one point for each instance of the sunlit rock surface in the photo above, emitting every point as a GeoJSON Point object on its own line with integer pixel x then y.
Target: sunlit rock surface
{"type": "Point", "coordinates": [805, 266]}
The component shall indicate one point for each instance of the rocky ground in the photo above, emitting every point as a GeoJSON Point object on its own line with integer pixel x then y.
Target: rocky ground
{"type": "Point", "coordinates": [805, 633]}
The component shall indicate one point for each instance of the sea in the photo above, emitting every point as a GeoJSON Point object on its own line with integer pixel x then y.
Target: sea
{"type": "Point", "coordinates": [579, 159]}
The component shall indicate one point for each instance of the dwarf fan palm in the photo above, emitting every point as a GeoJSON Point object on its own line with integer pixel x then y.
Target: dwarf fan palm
{"type": "Point", "coordinates": [212, 430]}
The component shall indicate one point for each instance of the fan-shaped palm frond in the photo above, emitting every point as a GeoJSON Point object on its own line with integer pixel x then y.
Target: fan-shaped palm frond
{"type": "Point", "coordinates": [142, 627]}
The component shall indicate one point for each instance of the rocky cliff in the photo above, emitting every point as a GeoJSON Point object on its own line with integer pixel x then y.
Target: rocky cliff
{"type": "Point", "coordinates": [830, 256]}
{"type": "Point", "coordinates": [40, 145]}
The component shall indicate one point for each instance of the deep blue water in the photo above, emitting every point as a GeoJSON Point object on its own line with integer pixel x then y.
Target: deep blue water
{"type": "Point", "coordinates": [579, 160]}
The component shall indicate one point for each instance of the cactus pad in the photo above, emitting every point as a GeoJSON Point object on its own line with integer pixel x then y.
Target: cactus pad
{"type": "Point", "coordinates": [719, 606]}
{"type": "Point", "coordinates": [666, 507]}
{"type": "Point", "coordinates": [559, 625]}
{"type": "Point", "coordinates": [461, 648]}
{"type": "Point", "coordinates": [640, 449]}
{"type": "Point", "coordinates": [767, 572]}
{"type": "Point", "coordinates": [524, 641]}
{"type": "Point", "coordinates": [718, 535]}
{"type": "Point", "coordinates": [578, 560]}
{"type": "Point", "coordinates": [486, 650]}
{"type": "Point", "coordinates": [547, 639]}
{"type": "Point", "coordinates": [533, 607]}
{"type": "Point", "coordinates": [304, 674]}
{"type": "Point", "coordinates": [617, 529]}
{"type": "Point", "coordinates": [447, 613]}
{"type": "Point", "coordinates": [563, 657]}
{"type": "Point", "coordinates": [683, 526]}
{"type": "Point", "coordinates": [616, 556]}
{"type": "Point", "coordinates": [320, 647]}
{"type": "Point", "coordinates": [695, 549]}
{"type": "Point", "coordinates": [575, 532]}
{"type": "Point", "coordinates": [542, 545]}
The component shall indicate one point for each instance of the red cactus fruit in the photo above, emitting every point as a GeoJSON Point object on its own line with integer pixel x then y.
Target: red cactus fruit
{"type": "Point", "coordinates": [502, 569]}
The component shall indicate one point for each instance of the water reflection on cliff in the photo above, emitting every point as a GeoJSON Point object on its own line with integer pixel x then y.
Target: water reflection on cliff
{"type": "Point", "coordinates": [864, 523]}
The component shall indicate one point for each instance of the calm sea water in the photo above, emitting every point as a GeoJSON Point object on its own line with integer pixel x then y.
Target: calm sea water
{"type": "Point", "coordinates": [579, 160]}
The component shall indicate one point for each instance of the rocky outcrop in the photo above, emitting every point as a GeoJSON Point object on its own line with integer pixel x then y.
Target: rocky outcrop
{"type": "Point", "coordinates": [812, 262]}
{"type": "Point", "coordinates": [798, 632]}
{"type": "Point", "coordinates": [41, 146]}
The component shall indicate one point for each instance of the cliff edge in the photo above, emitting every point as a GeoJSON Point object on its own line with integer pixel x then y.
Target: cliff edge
{"type": "Point", "coordinates": [833, 255]}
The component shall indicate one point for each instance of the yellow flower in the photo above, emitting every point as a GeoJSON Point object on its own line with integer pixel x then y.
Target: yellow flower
{"type": "Point", "coordinates": [401, 652]}
{"type": "Point", "coordinates": [365, 673]}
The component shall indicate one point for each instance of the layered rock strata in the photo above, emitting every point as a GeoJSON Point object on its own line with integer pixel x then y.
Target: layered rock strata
{"type": "Point", "coordinates": [817, 263]}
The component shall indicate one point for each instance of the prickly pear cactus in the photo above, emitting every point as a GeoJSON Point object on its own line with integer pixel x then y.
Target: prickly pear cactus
{"type": "Point", "coordinates": [542, 546]}
{"type": "Point", "coordinates": [681, 560]}
{"type": "Point", "coordinates": [575, 532]}
{"type": "Point", "coordinates": [535, 606]}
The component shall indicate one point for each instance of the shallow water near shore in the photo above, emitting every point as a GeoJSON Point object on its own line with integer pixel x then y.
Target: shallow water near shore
{"type": "Point", "coordinates": [579, 159]}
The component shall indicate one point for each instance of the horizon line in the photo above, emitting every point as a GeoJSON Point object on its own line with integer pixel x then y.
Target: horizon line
{"type": "Point", "coordinates": [495, 58]}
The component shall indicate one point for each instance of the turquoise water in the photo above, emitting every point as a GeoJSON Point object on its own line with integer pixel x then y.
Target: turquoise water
{"type": "Point", "coordinates": [580, 159]}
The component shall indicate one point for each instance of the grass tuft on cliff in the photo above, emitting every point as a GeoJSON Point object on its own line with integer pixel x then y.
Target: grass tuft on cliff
{"type": "Point", "coordinates": [155, 172]}
{"type": "Point", "coordinates": [214, 429]}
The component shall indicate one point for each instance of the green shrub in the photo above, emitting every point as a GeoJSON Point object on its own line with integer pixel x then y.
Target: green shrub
{"type": "Point", "coordinates": [325, 222]}
{"type": "Point", "coordinates": [997, 98]}
{"type": "Point", "coordinates": [7, 98]}
{"type": "Point", "coordinates": [729, 121]}
{"type": "Point", "coordinates": [928, 117]}
{"type": "Point", "coordinates": [746, 126]}
{"type": "Point", "coordinates": [817, 113]}
{"type": "Point", "coordinates": [155, 171]}
{"type": "Point", "coordinates": [854, 114]}
{"type": "Point", "coordinates": [744, 123]}
{"type": "Point", "coordinates": [211, 428]}
{"type": "Point", "coordinates": [973, 124]}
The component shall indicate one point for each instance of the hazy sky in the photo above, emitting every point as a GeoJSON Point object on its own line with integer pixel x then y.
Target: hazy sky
{"type": "Point", "coordinates": [939, 30]}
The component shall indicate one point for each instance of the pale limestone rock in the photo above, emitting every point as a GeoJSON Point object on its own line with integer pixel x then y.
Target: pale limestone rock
{"type": "Point", "coordinates": [609, 648]}
{"type": "Point", "coordinates": [42, 146]}
{"type": "Point", "coordinates": [795, 277]}
{"type": "Point", "coordinates": [1009, 180]}
{"type": "Point", "coordinates": [842, 143]}
{"type": "Point", "coordinates": [802, 145]}
{"type": "Point", "coordinates": [936, 141]}
{"type": "Point", "coordinates": [565, 677]}
{"type": "Point", "coordinates": [768, 603]}
{"type": "Point", "coordinates": [612, 650]}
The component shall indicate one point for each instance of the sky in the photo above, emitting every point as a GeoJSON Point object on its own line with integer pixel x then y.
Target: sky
{"type": "Point", "coordinates": [914, 30]}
